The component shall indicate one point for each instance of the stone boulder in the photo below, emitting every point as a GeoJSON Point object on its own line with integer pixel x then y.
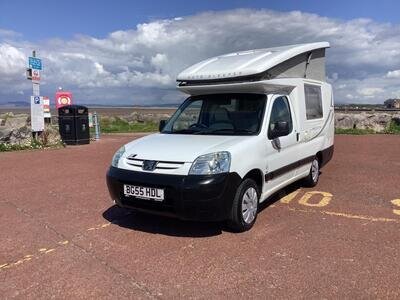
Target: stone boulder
{"type": "Point", "coordinates": [144, 117]}
{"type": "Point", "coordinates": [376, 121]}
{"type": "Point", "coordinates": [50, 136]}
{"type": "Point", "coordinates": [16, 130]}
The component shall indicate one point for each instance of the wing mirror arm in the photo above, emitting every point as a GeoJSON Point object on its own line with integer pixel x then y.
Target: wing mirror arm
{"type": "Point", "coordinates": [162, 125]}
{"type": "Point", "coordinates": [276, 143]}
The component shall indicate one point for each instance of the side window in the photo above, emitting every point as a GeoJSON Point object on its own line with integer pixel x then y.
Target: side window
{"type": "Point", "coordinates": [313, 98]}
{"type": "Point", "coordinates": [280, 113]}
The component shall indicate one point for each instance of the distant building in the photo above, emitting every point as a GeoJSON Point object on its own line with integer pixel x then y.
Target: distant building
{"type": "Point", "coordinates": [392, 103]}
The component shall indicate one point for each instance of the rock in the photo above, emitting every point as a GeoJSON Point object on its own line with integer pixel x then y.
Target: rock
{"type": "Point", "coordinates": [141, 117]}
{"type": "Point", "coordinates": [50, 136]}
{"type": "Point", "coordinates": [376, 121]}
{"type": "Point", "coordinates": [21, 136]}
{"type": "Point", "coordinates": [17, 121]}
{"type": "Point", "coordinates": [133, 117]}
{"type": "Point", "coordinates": [15, 129]}
{"type": "Point", "coordinates": [344, 121]}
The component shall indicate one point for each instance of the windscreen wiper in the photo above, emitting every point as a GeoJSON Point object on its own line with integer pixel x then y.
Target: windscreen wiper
{"type": "Point", "coordinates": [225, 130]}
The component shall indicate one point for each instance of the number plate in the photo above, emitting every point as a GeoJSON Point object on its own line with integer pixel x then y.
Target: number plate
{"type": "Point", "coordinates": [144, 192]}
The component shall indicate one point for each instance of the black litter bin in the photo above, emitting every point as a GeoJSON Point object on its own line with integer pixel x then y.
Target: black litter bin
{"type": "Point", "coordinates": [73, 123]}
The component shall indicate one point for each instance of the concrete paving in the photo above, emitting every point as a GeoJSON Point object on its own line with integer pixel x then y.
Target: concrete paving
{"type": "Point", "coordinates": [61, 237]}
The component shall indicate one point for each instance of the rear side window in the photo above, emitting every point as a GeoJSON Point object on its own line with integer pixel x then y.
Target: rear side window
{"type": "Point", "coordinates": [313, 98]}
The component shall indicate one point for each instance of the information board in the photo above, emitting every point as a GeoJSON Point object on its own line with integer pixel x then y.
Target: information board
{"type": "Point", "coordinates": [37, 115]}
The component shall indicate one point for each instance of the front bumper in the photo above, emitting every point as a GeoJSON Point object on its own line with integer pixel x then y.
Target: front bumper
{"type": "Point", "coordinates": [190, 197]}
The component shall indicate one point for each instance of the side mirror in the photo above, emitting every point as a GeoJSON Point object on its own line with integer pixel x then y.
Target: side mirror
{"type": "Point", "coordinates": [281, 128]}
{"type": "Point", "coordinates": [162, 125]}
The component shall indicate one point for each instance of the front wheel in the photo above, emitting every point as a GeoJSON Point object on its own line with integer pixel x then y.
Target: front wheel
{"type": "Point", "coordinates": [245, 206]}
{"type": "Point", "coordinates": [312, 179]}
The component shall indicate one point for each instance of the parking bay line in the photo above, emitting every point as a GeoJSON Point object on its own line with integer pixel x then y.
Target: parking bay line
{"type": "Point", "coordinates": [344, 215]}
{"type": "Point", "coordinates": [43, 251]}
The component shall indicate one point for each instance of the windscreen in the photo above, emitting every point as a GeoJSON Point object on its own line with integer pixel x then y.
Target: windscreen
{"type": "Point", "coordinates": [221, 114]}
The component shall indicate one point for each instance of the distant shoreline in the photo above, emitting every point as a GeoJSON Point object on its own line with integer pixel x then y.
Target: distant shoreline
{"type": "Point", "coordinates": [101, 110]}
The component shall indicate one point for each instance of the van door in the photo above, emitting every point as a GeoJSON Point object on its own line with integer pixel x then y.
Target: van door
{"type": "Point", "coordinates": [283, 150]}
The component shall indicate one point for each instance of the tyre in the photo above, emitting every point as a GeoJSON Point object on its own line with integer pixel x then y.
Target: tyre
{"type": "Point", "coordinates": [313, 177]}
{"type": "Point", "coordinates": [245, 206]}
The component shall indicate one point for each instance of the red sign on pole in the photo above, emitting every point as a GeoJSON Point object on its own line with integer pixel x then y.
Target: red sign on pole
{"type": "Point", "coordinates": [63, 98]}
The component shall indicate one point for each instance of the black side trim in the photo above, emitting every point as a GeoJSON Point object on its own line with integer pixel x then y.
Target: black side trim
{"type": "Point", "coordinates": [326, 155]}
{"type": "Point", "coordinates": [288, 168]}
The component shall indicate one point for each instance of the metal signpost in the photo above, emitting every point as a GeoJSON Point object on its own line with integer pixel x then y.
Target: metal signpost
{"type": "Point", "coordinates": [37, 115]}
{"type": "Point", "coordinates": [96, 124]}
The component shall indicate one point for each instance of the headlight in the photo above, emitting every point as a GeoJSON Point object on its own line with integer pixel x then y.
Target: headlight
{"type": "Point", "coordinates": [117, 156]}
{"type": "Point", "coordinates": [213, 163]}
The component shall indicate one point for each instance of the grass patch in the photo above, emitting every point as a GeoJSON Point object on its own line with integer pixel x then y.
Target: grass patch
{"type": "Point", "coordinates": [393, 128]}
{"type": "Point", "coordinates": [355, 131]}
{"type": "Point", "coordinates": [118, 125]}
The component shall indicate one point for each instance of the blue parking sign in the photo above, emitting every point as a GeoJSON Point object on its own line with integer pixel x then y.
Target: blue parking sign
{"type": "Point", "coordinates": [36, 100]}
{"type": "Point", "coordinates": [35, 63]}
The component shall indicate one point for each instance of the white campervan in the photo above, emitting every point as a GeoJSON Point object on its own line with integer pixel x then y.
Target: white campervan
{"type": "Point", "coordinates": [254, 122]}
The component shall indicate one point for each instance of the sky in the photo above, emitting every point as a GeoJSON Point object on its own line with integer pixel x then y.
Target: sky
{"type": "Point", "coordinates": [129, 52]}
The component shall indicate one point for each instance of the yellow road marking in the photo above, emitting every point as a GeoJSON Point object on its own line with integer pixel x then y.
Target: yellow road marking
{"type": "Point", "coordinates": [346, 215]}
{"type": "Point", "coordinates": [289, 197]}
{"type": "Point", "coordinates": [100, 226]}
{"type": "Point", "coordinates": [44, 251]}
{"type": "Point", "coordinates": [18, 262]}
{"type": "Point", "coordinates": [326, 198]}
{"type": "Point", "coordinates": [397, 203]}
{"type": "Point", "coordinates": [305, 199]}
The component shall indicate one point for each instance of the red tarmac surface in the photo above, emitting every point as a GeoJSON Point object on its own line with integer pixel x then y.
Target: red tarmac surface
{"type": "Point", "coordinates": [61, 237]}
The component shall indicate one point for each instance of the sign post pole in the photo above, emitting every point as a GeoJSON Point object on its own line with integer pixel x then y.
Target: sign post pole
{"type": "Point", "coordinates": [96, 126]}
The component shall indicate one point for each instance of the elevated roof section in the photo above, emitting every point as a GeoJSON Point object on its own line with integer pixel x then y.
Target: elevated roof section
{"type": "Point", "coordinates": [301, 61]}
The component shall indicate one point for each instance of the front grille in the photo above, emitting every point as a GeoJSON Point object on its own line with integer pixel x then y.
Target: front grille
{"type": "Point", "coordinates": [160, 165]}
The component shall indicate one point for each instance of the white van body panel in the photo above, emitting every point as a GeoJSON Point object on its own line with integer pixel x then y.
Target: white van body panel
{"type": "Point", "coordinates": [276, 162]}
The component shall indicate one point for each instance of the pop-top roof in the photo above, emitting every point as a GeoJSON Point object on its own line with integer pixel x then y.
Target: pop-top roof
{"type": "Point", "coordinates": [252, 62]}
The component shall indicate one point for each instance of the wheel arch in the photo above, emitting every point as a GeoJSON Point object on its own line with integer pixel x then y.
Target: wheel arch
{"type": "Point", "coordinates": [319, 157]}
{"type": "Point", "coordinates": [257, 176]}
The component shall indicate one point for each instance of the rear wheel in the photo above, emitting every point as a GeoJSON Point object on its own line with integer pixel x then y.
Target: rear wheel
{"type": "Point", "coordinates": [245, 206]}
{"type": "Point", "coordinates": [313, 177]}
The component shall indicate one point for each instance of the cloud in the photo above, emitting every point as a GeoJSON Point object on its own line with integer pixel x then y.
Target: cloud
{"type": "Point", "coordinates": [370, 91]}
{"type": "Point", "coordinates": [4, 33]}
{"type": "Point", "coordinates": [139, 65]}
{"type": "Point", "coordinates": [393, 74]}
